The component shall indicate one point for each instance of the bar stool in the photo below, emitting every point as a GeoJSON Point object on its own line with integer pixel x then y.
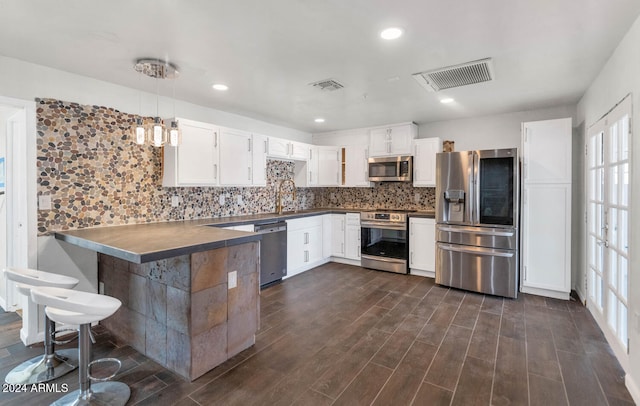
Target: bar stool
{"type": "Point", "coordinates": [83, 308]}
{"type": "Point", "coordinates": [52, 364]}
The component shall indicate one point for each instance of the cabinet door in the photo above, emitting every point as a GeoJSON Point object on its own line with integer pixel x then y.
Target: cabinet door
{"type": "Point", "coordinates": [195, 161]}
{"type": "Point", "coordinates": [338, 230]}
{"type": "Point", "coordinates": [295, 252]}
{"type": "Point", "coordinates": [312, 167]}
{"type": "Point", "coordinates": [424, 161]}
{"type": "Point", "coordinates": [422, 244]}
{"type": "Point", "coordinates": [313, 246]}
{"type": "Point", "coordinates": [235, 158]}
{"type": "Point", "coordinates": [547, 151]}
{"type": "Point", "coordinates": [259, 159]}
{"type": "Point", "coordinates": [327, 235]}
{"type": "Point", "coordinates": [356, 166]}
{"type": "Point", "coordinates": [328, 166]}
{"type": "Point", "coordinates": [352, 242]}
{"type": "Point", "coordinates": [546, 261]}
{"type": "Point", "coordinates": [278, 148]}
{"type": "Point", "coordinates": [379, 142]}
{"type": "Point", "coordinates": [299, 151]}
{"type": "Point", "coordinates": [401, 140]}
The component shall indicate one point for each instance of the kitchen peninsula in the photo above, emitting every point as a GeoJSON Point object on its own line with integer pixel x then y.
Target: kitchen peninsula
{"type": "Point", "coordinates": [176, 283]}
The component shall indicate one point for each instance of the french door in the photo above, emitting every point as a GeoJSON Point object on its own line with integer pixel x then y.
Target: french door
{"type": "Point", "coordinates": [608, 211]}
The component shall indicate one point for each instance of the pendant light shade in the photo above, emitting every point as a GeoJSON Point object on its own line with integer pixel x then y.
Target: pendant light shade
{"type": "Point", "coordinates": [157, 134]}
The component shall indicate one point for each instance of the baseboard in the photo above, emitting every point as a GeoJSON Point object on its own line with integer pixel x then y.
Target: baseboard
{"type": "Point", "coordinates": [545, 292]}
{"type": "Point", "coordinates": [420, 272]}
{"type": "Point", "coordinates": [346, 261]}
{"type": "Point", "coordinates": [633, 388]}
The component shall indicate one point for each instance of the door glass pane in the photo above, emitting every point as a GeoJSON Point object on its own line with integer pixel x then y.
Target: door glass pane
{"type": "Point", "coordinates": [496, 190]}
{"type": "Point", "coordinates": [613, 268]}
{"type": "Point", "coordinates": [623, 231]}
{"type": "Point", "coordinates": [624, 138]}
{"type": "Point", "coordinates": [599, 291]}
{"type": "Point", "coordinates": [622, 330]}
{"type": "Point", "coordinates": [612, 232]}
{"type": "Point", "coordinates": [613, 143]}
{"type": "Point", "coordinates": [599, 150]}
{"type": "Point", "coordinates": [612, 309]}
{"type": "Point", "coordinates": [624, 278]}
{"type": "Point", "coordinates": [624, 193]}
{"type": "Point", "coordinates": [613, 184]}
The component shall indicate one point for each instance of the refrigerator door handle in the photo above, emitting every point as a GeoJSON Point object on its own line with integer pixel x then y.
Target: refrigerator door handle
{"type": "Point", "coordinates": [476, 230]}
{"type": "Point", "coordinates": [475, 250]}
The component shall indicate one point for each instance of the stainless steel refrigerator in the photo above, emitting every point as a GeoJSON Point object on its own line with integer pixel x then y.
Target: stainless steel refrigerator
{"type": "Point", "coordinates": [477, 221]}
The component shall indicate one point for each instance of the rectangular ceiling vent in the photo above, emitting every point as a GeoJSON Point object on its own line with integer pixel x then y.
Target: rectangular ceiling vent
{"type": "Point", "coordinates": [456, 75]}
{"type": "Point", "coordinates": [328, 85]}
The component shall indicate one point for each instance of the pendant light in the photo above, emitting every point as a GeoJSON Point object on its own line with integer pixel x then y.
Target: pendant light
{"type": "Point", "coordinates": [157, 134]}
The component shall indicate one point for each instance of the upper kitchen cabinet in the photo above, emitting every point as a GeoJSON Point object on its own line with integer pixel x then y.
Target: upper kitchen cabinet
{"type": "Point", "coordinates": [355, 169]}
{"type": "Point", "coordinates": [328, 159]}
{"type": "Point", "coordinates": [243, 158]}
{"type": "Point", "coordinates": [392, 140]}
{"type": "Point", "coordinates": [236, 158]}
{"type": "Point", "coordinates": [195, 161]}
{"type": "Point", "coordinates": [547, 151]}
{"type": "Point", "coordinates": [286, 149]}
{"type": "Point", "coordinates": [424, 161]}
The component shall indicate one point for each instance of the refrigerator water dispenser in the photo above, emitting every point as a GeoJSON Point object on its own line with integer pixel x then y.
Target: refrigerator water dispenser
{"type": "Point", "coordinates": [455, 204]}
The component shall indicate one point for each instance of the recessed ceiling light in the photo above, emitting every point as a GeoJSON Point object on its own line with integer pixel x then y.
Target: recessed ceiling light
{"type": "Point", "coordinates": [391, 33]}
{"type": "Point", "coordinates": [319, 120]}
{"type": "Point", "coordinates": [447, 100]}
{"type": "Point", "coordinates": [220, 86]}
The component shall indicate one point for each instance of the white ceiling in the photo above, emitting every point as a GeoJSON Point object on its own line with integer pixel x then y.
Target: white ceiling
{"type": "Point", "coordinates": [545, 52]}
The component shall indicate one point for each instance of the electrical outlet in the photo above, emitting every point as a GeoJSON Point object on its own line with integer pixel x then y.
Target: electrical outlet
{"type": "Point", "coordinates": [239, 199]}
{"type": "Point", "coordinates": [175, 201]}
{"type": "Point", "coordinates": [44, 202]}
{"type": "Point", "coordinates": [233, 279]}
{"type": "Point", "coordinates": [221, 200]}
{"type": "Point", "coordinates": [417, 197]}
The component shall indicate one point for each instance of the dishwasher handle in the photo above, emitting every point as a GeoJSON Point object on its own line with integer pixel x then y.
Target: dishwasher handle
{"type": "Point", "coordinates": [270, 228]}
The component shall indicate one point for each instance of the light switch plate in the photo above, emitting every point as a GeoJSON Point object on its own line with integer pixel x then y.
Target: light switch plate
{"type": "Point", "coordinates": [239, 198]}
{"type": "Point", "coordinates": [221, 200]}
{"type": "Point", "coordinates": [44, 202]}
{"type": "Point", "coordinates": [175, 201]}
{"type": "Point", "coordinates": [233, 279]}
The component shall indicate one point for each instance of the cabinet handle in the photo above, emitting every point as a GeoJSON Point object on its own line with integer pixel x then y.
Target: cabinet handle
{"type": "Point", "coordinates": [215, 171]}
{"type": "Point", "coordinates": [215, 139]}
{"type": "Point", "coordinates": [358, 251]}
{"type": "Point", "coordinates": [249, 144]}
{"type": "Point", "coordinates": [342, 248]}
{"type": "Point", "coordinates": [249, 173]}
{"type": "Point", "coordinates": [311, 155]}
{"type": "Point", "coordinates": [306, 238]}
{"type": "Point", "coordinates": [266, 146]}
{"type": "Point", "coordinates": [411, 259]}
{"type": "Point", "coordinates": [306, 256]}
{"type": "Point", "coordinates": [310, 176]}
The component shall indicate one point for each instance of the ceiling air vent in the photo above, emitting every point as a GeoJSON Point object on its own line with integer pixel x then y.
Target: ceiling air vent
{"type": "Point", "coordinates": [327, 84]}
{"type": "Point", "coordinates": [456, 76]}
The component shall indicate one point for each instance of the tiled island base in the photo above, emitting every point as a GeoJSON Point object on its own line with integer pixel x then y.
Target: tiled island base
{"type": "Point", "coordinates": [180, 311]}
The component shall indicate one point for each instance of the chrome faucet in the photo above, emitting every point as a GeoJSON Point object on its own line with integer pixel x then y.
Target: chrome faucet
{"type": "Point", "coordinates": [293, 195]}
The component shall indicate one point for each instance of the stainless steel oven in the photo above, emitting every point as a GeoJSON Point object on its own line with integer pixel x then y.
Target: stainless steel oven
{"type": "Point", "coordinates": [384, 243]}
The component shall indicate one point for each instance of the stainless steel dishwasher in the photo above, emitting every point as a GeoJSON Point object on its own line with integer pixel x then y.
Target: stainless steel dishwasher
{"type": "Point", "coordinates": [273, 252]}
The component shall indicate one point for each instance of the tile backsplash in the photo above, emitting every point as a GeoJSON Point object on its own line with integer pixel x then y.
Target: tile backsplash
{"type": "Point", "coordinates": [96, 175]}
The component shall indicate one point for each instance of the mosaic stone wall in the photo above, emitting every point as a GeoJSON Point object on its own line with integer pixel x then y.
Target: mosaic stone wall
{"type": "Point", "coordinates": [384, 195]}
{"type": "Point", "coordinates": [97, 175]}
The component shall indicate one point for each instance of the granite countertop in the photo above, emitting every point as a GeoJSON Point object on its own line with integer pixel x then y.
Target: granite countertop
{"type": "Point", "coordinates": [140, 243]}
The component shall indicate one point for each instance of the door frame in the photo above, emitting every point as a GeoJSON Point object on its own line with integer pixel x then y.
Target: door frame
{"type": "Point", "coordinates": [21, 192]}
{"type": "Point", "coordinates": [601, 318]}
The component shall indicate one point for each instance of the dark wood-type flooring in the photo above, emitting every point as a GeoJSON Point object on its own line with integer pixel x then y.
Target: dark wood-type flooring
{"type": "Point", "coordinates": [344, 335]}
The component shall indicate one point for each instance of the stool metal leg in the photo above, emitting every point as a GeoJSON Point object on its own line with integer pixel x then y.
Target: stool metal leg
{"type": "Point", "coordinates": [46, 367]}
{"type": "Point", "coordinates": [103, 393]}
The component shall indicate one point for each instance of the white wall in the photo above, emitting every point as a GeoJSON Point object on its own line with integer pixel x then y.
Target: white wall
{"type": "Point", "coordinates": [27, 81]}
{"type": "Point", "coordinates": [619, 77]}
{"type": "Point", "coordinates": [490, 132]}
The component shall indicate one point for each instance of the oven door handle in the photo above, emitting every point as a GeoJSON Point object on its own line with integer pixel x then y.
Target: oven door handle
{"type": "Point", "coordinates": [386, 226]}
{"type": "Point", "coordinates": [382, 259]}
{"type": "Point", "coordinates": [475, 250]}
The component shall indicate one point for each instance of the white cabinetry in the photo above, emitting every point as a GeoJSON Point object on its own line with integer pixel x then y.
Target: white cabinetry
{"type": "Point", "coordinates": [328, 159]}
{"type": "Point", "coordinates": [338, 231]}
{"type": "Point", "coordinates": [259, 159]}
{"type": "Point", "coordinates": [195, 161]}
{"type": "Point", "coordinates": [304, 244]}
{"type": "Point", "coordinates": [424, 161]}
{"type": "Point", "coordinates": [235, 158]}
{"type": "Point", "coordinates": [392, 140]}
{"type": "Point", "coordinates": [352, 236]}
{"type": "Point", "coordinates": [355, 166]}
{"type": "Point", "coordinates": [546, 208]}
{"type": "Point", "coordinates": [285, 149]}
{"type": "Point", "coordinates": [422, 246]}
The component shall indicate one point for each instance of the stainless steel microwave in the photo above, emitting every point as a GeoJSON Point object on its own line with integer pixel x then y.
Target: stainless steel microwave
{"type": "Point", "coordinates": [392, 169]}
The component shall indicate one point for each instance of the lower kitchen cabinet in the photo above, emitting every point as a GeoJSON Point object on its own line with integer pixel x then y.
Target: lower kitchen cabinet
{"type": "Point", "coordinates": [422, 246]}
{"type": "Point", "coordinates": [304, 244]}
{"type": "Point", "coordinates": [338, 227]}
{"type": "Point", "coordinates": [345, 236]}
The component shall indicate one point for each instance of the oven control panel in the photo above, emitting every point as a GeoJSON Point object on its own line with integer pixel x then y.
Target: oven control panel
{"type": "Point", "coordinates": [381, 216]}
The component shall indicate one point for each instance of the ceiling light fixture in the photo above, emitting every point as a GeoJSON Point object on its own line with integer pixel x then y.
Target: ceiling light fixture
{"type": "Point", "coordinates": [319, 120]}
{"type": "Point", "coordinates": [391, 33]}
{"type": "Point", "coordinates": [221, 87]}
{"type": "Point", "coordinates": [157, 133]}
{"type": "Point", "coordinates": [446, 100]}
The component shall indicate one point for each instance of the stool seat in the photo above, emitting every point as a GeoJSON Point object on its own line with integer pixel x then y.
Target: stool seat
{"type": "Point", "coordinates": [73, 306]}
{"type": "Point", "coordinates": [52, 364]}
